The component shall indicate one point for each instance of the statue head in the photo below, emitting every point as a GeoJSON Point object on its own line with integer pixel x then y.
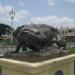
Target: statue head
{"type": "Point", "coordinates": [15, 33]}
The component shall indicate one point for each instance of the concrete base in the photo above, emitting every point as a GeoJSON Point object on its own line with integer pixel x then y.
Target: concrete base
{"type": "Point", "coordinates": [49, 67]}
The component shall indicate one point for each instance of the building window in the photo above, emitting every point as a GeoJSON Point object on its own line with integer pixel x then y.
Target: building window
{"type": "Point", "coordinates": [59, 73]}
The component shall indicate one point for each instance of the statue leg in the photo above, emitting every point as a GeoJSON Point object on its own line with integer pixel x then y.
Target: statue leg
{"type": "Point", "coordinates": [24, 48]}
{"type": "Point", "coordinates": [18, 48]}
{"type": "Point", "coordinates": [64, 47]}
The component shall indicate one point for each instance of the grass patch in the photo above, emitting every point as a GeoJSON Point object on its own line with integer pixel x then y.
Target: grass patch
{"type": "Point", "coordinates": [72, 50]}
{"type": "Point", "coordinates": [0, 69]}
{"type": "Point", "coordinates": [7, 42]}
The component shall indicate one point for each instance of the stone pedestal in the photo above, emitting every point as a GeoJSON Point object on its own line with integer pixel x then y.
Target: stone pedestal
{"type": "Point", "coordinates": [58, 66]}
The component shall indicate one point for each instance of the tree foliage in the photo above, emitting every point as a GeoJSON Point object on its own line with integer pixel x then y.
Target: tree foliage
{"type": "Point", "coordinates": [4, 29]}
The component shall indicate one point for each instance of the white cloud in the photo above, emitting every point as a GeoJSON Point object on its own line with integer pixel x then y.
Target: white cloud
{"type": "Point", "coordinates": [20, 15]}
{"type": "Point", "coordinates": [4, 13]}
{"type": "Point", "coordinates": [52, 3]}
{"type": "Point", "coordinates": [54, 21]}
{"type": "Point", "coordinates": [4, 9]}
{"type": "Point", "coordinates": [70, 1]}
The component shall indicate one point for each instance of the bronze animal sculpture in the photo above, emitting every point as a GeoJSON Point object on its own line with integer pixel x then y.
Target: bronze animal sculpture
{"type": "Point", "coordinates": [60, 43]}
{"type": "Point", "coordinates": [34, 36]}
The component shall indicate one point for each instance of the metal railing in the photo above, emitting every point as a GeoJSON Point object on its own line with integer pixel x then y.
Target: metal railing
{"type": "Point", "coordinates": [4, 49]}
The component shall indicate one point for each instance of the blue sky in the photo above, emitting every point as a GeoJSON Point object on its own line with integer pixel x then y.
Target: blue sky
{"type": "Point", "coordinates": [52, 12]}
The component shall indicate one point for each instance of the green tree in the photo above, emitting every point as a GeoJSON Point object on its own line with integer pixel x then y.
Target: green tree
{"type": "Point", "coordinates": [5, 29]}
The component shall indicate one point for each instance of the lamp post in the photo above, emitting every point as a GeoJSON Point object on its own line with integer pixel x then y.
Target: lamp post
{"type": "Point", "coordinates": [12, 15]}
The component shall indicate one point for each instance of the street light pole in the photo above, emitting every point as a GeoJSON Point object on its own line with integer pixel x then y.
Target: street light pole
{"type": "Point", "coordinates": [12, 15]}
